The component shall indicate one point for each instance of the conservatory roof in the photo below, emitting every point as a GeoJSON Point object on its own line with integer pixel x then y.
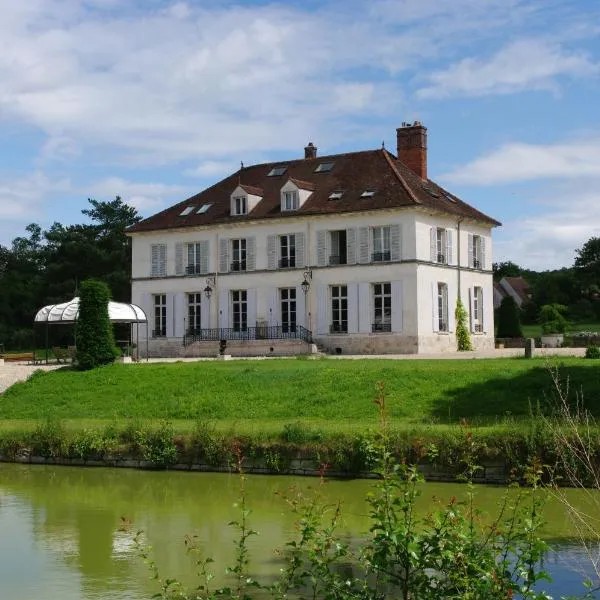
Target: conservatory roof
{"type": "Point", "coordinates": [67, 312]}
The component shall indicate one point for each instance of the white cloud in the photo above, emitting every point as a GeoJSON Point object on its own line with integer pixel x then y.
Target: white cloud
{"type": "Point", "coordinates": [521, 65]}
{"type": "Point", "coordinates": [212, 169]}
{"type": "Point", "coordinates": [516, 162]}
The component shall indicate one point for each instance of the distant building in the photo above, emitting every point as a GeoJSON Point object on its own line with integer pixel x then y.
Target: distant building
{"type": "Point", "coordinates": [359, 251]}
{"type": "Point", "coordinates": [516, 287]}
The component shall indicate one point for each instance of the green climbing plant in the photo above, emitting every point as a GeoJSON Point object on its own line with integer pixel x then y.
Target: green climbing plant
{"type": "Point", "coordinates": [463, 338]}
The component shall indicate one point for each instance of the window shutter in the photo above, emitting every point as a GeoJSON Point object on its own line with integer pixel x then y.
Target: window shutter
{"type": "Point", "coordinates": [154, 259]}
{"type": "Point", "coordinates": [301, 307]}
{"type": "Point", "coordinates": [351, 246]}
{"type": "Point", "coordinates": [204, 256]}
{"type": "Point", "coordinates": [322, 248]}
{"type": "Point", "coordinates": [471, 257]}
{"type": "Point", "coordinates": [205, 316]}
{"type": "Point", "coordinates": [271, 252]}
{"type": "Point", "coordinates": [223, 256]}
{"type": "Point", "coordinates": [451, 302]}
{"type": "Point", "coordinates": [322, 309]}
{"type": "Point", "coordinates": [471, 308]}
{"type": "Point", "coordinates": [273, 301]}
{"type": "Point", "coordinates": [434, 304]}
{"type": "Point", "coordinates": [300, 249]}
{"type": "Point", "coordinates": [223, 308]}
{"type": "Point", "coordinates": [179, 314]}
{"type": "Point", "coordinates": [251, 298]}
{"type": "Point", "coordinates": [162, 262]}
{"type": "Point", "coordinates": [433, 246]}
{"type": "Point", "coordinates": [170, 322]}
{"type": "Point", "coordinates": [395, 242]}
{"type": "Point", "coordinates": [482, 252]}
{"type": "Point", "coordinates": [363, 245]}
{"type": "Point", "coordinates": [352, 308]}
{"type": "Point", "coordinates": [179, 258]}
{"type": "Point", "coordinates": [364, 307]}
{"type": "Point", "coordinates": [397, 306]}
{"type": "Point", "coordinates": [146, 302]}
{"type": "Point", "coordinates": [251, 254]}
{"type": "Point", "coordinates": [487, 312]}
{"type": "Point", "coordinates": [449, 255]}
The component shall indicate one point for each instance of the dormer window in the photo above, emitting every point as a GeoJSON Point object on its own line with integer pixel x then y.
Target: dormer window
{"type": "Point", "coordinates": [240, 205]}
{"type": "Point", "coordinates": [290, 201]}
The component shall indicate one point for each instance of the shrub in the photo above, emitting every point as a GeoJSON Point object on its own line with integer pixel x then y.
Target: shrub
{"type": "Point", "coordinates": [509, 325]}
{"type": "Point", "coordinates": [592, 352]}
{"type": "Point", "coordinates": [463, 339]}
{"type": "Point", "coordinates": [95, 340]}
{"type": "Point", "coordinates": [552, 318]}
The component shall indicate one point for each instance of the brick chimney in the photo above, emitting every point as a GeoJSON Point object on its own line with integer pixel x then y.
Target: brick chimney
{"type": "Point", "coordinates": [412, 147]}
{"type": "Point", "coordinates": [310, 151]}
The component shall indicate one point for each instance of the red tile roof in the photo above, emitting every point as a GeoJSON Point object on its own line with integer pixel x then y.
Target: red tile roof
{"type": "Point", "coordinates": [395, 186]}
{"type": "Point", "coordinates": [254, 191]}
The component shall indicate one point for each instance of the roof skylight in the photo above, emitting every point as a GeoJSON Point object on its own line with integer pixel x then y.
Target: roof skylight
{"type": "Point", "coordinates": [276, 171]}
{"type": "Point", "coordinates": [368, 194]}
{"type": "Point", "coordinates": [324, 167]}
{"type": "Point", "coordinates": [203, 209]}
{"type": "Point", "coordinates": [431, 192]}
{"type": "Point", "coordinates": [336, 195]}
{"type": "Point", "coordinates": [186, 211]}
{"type": "Point", "coordinates": [449, 197]}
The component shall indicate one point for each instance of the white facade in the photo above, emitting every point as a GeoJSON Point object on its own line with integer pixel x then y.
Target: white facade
{"type": "Point", "coordinates": [396, 293]}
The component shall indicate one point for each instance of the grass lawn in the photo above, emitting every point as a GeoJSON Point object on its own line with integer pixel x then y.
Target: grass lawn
{"type": "Point", "coordinates": [338, 393]}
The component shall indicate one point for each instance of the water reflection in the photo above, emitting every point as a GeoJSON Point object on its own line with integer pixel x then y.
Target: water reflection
{"type": "Point", "coordinates": [60, 527]}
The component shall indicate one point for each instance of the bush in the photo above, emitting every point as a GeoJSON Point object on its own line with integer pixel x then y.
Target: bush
{"type": "Point", "coordinates": [552, 318]}
{"type": "Point", "coordinates": [95, 340]}
{"type": "Point", "coordinates": [509, 325]}
{"type": "Point", "coordinates": [592, 352]}
{"type": "Point", "coordinates": [463, 339]}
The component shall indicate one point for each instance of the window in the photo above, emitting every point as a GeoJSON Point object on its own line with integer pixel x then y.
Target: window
{"type": "Point", "coordinates": [240, 205]}
{"type": "Point", "coordinates": [442, 300]}
{"type": "Point", "coordinates": [339, 309]}
{"type": "Point", "coordinates": [368, 194]}
{"type": "Point", "coordinates": [239, 306]}
{"type": "Point", "coordinates": [276, 171]}
{"type": "Point", "coordinates": [288, 310]}
{"type": "Point", "coordinates": [238, 248]}
{"type": "Point", "coordinates": [186, 211]}
{"type": "Point", "coordinates": [382, 307]}
{"type": "Point", "coordinates": [287, 251]}
{"type": "Point", "coordinates": [193, 259]}
{"type": "Point", "coordinates": [204, 208]}
{"type": "Point", "coordinates": [440, 245]}
{"type": "Point", "coordinates": [476, 252]}
{"type": "Point", "coordinates": [338, 246]}
{"type": "Point", "coordinates": [324, 167]}
{"type": "Point", "coordinates": [158, 268]}
{"type": "Point", "coordinates": [477, 316]}
{"type": "Point", "coordinates": [194, 322]}
{"type": "Point", "coordinates": [160, 315]}
{"type": "Point", "coordinates": [290, 201]}
{"type": "Point", "coordinates": [336, 195]}
{"type": "Point", "coordinates": [381, 244]}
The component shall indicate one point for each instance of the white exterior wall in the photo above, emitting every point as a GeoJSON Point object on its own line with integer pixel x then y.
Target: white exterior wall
{"type": "Point", "coordinates": [412, 316]}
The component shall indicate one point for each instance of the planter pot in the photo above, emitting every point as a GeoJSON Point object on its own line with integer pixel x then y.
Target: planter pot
{"type": "Point", "coordinates": [552, 340]}
{"type": "Point", "coordinates": [125, 360]}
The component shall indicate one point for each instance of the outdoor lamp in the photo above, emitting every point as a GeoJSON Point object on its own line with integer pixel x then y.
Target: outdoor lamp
{"type": "Point", "coordinates": [306, 282]}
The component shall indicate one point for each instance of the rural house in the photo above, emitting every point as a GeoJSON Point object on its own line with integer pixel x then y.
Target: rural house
{"type": "Point", "coordinates": [360, 252]}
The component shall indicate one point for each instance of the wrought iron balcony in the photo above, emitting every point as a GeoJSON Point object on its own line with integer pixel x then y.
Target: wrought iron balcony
{"type": "Point", "coordinates": [441, 258]}
{"type": "Point", "coordinates": [476, 263]}
{"type": "Point", "coordinates": [287, 263]}
{"type": "Point", "coordinates": [338, 327]}
{"type": "Point", "coordinates": [265, 332]}
{"type": "Point", "coordinates": [193, 270]}
{"type": "Point", "coordinates": [238, 265]}
{"type": "Point", "coordinates": [381, 256]}
{"type": "Point", "coordinates": [381, 327]}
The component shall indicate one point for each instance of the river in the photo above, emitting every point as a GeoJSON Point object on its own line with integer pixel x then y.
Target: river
{"type": "Point", "coordinates": [61, 532]}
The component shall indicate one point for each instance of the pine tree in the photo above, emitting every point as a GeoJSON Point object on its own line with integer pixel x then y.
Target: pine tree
{"type": "Point", "coordinates": [509, 324]}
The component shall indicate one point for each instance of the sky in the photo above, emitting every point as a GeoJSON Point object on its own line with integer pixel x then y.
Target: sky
{"type": "Point", "coordinates": [155, 100]}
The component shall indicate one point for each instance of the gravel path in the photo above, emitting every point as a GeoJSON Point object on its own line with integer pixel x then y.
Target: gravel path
{"type": "Point", "coordinates": [12, 372]}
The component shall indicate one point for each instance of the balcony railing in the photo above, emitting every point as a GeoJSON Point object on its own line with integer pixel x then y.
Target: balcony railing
{"type": "Point", "coordinates": [478, 328]}
{"type": "Point", "coordinates": [335, 259]}
{"type": "Point", "coordinates": [441, 258]}
{"type": "Point", "coordinates": [287, 263]}
{"type": "Point", "coordinates": [238, 265]}
{"type": "Point", "coordinates": [381, 327]}
{"type": "Point", "coordinates": [338, 327]}
{"type": "Point", "coordinates": [159, 333]}
{"type": "Point", "coordinates": [381, 256]}
{"type": "Point", "coordinates": [276, 332]}
{"type": "Point", "coordinates": [476, 263]}
{"type": "Point", "coordinates": [193, 270]}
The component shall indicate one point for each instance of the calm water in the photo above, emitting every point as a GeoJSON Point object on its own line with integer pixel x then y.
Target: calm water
{"type": "Point", "coordinates": [60, 535]}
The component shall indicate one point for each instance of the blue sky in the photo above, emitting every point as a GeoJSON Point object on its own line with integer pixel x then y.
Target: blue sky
{"type": "Point", "coordinates": [155, 100]}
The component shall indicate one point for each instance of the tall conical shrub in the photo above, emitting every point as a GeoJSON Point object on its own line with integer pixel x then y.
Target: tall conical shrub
{"type": "Point", "coordinates": [463, 338]}
{"type": "Point", "coordinates": [509, 324]}
{"type": "Point", "coordinates": [95, 339]}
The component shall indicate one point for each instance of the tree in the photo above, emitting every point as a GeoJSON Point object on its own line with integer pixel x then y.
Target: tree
{"type": "Point", "coordinates": [506, 269]}
{"type": "Point", "coordinates": [509, 325]}
{"type": "Point", "coordinates": [587, 263]}
{"type": "Point", "coordinates": [95, 339]}
{"type": "Point", "coordinates": [552, 318]}
{"type": "Point", "coordinates": [463, 339]}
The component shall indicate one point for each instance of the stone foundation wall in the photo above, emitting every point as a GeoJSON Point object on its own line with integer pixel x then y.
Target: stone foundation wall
{"type": "Point", "coordinates": [437, 343]}
{"type": "Point", "coordinates": [368, 343]}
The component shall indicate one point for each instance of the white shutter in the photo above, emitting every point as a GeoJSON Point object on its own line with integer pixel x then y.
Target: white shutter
{"type": "Point", "coordinates": [301, 307]}
{"type": "Point", "coordinates": [204, 257]}
{"type": "Point", "coordinates": [395, 242]}
{"type": "Point", "coordinates": [487, 303]}
{"type": "Point", "coordinates": [352, 307]}
{"type": "Point", "coordinates": [482, 261]}
{"type": "Point", "coordinates": [251, 307]}
{"type": "Point", "coordinates": [154, 260]}
{"type": "Point", "coordinates": [351, 246]}
{"type": "Point", "coordinates": [223, 308]}
{"type": "Point", "coordinates": [449, 249]}
{"type": "Point", "coordinates": [364, 308]}
{"type": "Point", "coordinates": [471, 307]}
{"type": "Point", "coordinates": [363, 245]}
{"type": "Point", "coordinates": [170, 324]}
{"type": "Point", "coordinates": [179, 258]}
{"type": "Point", "coordinates": [322, 309]}
{"type": "Point", "coordinates": [434, 306]}
{"type": "Point", "coordinates": [451, 307]}
{"type": "Point", "coordinates": [223, 255]}
{"type": "Point", "coordinates": [147, 303]}
{"type": "Point", "coordinates": [433, 246]}
{"type": "Point", "coordinates": [397, 307]}
{"type": "Point", "coordinates": [272, 252]}
{"type": "Point", "coordinates": [162, 260]}
{"type": "Point", "coordinates": [470, 250]}
{"type": "Point", "coordinates": [205, 321]}
{"type": "Point", "coordinates": [251, 254]}
{"type": "Point", "coordinates": [180, 314]}
{"type": "Point", "coordinates": [273, 308]}
{"type": "Point", "coordinates": [300, 250]}
{"type": "Point", "coordinates": [322, 248]}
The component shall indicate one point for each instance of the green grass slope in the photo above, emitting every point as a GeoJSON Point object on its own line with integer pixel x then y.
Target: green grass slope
{"type": "Point", "coordinates": [418, 391]}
